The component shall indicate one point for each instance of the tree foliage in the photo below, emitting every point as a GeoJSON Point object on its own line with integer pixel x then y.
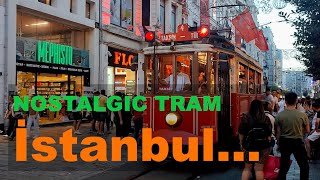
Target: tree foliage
{"type": "Point", "coordinates": [307, 25]}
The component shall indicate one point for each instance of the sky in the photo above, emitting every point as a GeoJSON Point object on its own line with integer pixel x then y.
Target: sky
{"type": "Point", "coordinates": [283, 36]}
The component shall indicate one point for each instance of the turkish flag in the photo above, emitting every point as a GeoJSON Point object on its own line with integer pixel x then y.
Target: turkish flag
{"type": "Point", "coordinates": [245, 24]}
{"type": "Point", "coordinates": [261, 42]}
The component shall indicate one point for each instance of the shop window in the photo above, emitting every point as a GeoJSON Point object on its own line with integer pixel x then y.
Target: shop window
{"type": "Point", "coordinates": [162, 16]}
{"type": "Point", "coordinates": [45, 2]}
{"type": "Point", "coordinates": [26, 83]}
{"type": "Point", "coordinates": [243, 79]}
{"type": "Point", "coordinates": [88, 9]}
{"type": "Point", "coordinates": [173, 19]}
{"type": "Point", "coordinates": [36, 28]}
{"type": "Point", "coordinates": [122, 13]}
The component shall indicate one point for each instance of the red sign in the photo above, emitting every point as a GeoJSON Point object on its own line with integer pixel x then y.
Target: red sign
{"type": "Point", "coordinates": [183, 34]}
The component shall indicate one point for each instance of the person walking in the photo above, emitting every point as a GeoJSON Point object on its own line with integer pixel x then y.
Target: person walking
{"type": "Point", "coordinates": [255, 132]}
{"type": "Point", "coordinates": [94, 115]}
{"type": "Point", "coordinates": [33, 118]}
{"type": "Point", "coordinates": [119, 117]}
{"type": "Point", "coordinates": [315, 133]}
{"type": "Point", "coordinates": [77, 116]}
{"type": "Point", "coordinates": [101, 115]}
{"type": "Point", "coordinates": [291, 126]}
{"type": "Point", "coordinates": [267, 110]}
{"type": "Point", "coordinates": [9, 117]}
{"type": "Point", "coordinates": [16, 115]}
{"type": "Point", "coordinates": [138, 121]}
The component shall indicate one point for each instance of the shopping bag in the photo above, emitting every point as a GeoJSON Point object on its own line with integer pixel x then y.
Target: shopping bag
{"type": "Point", "coordinates": [272, 167]}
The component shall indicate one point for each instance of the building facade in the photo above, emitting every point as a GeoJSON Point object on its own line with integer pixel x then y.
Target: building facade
{"type": "Point", "coordinates": [49, 49]}
{"type": "Point", "coordinates": [270, 64]}
{"type": "Point", "coordinates": [298, 82]}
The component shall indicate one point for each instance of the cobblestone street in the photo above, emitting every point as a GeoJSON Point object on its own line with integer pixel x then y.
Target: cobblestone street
{"type": "Point", "coordinates": [103, 170]}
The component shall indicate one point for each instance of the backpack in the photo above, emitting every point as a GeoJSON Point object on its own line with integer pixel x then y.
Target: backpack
{"type": "Point", "coordinates": [257, 137]}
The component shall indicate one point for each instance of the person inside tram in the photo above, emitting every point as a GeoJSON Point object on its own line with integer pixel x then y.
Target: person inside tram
{"type": "Point", "coordinates": [203, 89]}
{"type": "Point", "coordinates": [183, 82]}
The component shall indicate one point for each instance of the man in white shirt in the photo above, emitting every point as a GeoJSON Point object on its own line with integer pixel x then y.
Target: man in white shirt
{"type": "Point", "coordinates": [282, 105]}
{"type": "Point", "coordinates": [182, 82]}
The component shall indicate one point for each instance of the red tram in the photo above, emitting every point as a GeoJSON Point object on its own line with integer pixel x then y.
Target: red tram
{"type": "Point", "coordinates": [208, 66]}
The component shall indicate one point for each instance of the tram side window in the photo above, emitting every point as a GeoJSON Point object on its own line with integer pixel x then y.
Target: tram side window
{"type": "Point", "coordinates": [251, 81]}
{"type": "Point", "coordinates": [258, 85]}
{"type": "Point", "coordinates": [202, 76]}
{"type": "Point", "coordinates": [212, 68]}
{"type": "Point", "coordinates": [180, 81]}
{"type": "Point", "coordinates": [242, 79]}
{"type": "Point", "coordinates": [149, 74]}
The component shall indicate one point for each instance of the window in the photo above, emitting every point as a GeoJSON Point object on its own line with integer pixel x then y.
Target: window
{"type": "Point", "coordinates": [121, 13]}
{"type": "Point", "coordinates": [88, 10]}
{"type": "Point", "coordinates": [45, 2]}
{"type": "Point", "coordinates": [243, 75]}
{"type": "Point", "coordinates": [173, 19]}
{"type": "Point", "coordinates": [162, 17]}
{"type": "Point", "coordinates": [174, 77]}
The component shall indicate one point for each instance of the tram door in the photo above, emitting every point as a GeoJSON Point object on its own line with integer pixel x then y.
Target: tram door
{"type": "Point", "coordinates": [223, 88]}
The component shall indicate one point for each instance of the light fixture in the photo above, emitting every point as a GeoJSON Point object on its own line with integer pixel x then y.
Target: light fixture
{"type": "Point", "coordinates": [173, 119]}
{"type": "Point", "coordinates": [37, 24]}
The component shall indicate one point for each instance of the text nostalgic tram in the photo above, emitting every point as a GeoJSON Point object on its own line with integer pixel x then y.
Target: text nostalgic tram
{"type": "Point", "coordinates": [200, 67]}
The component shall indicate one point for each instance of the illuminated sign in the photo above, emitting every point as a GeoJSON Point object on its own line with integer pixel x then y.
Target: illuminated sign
{"type": "Point", "coordinates": [182, 34]}
{"type": "Point", "coordinates": [54, 53]}
{"type": "Point", "coordinates": [120, 58]}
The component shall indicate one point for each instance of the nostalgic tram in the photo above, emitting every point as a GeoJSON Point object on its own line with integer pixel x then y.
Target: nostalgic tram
{"type": "Point", "coordinates": [199, 67]}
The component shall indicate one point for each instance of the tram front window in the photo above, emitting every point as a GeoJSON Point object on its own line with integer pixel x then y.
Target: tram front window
{"type": "Point", "coordinates": [175, 78]}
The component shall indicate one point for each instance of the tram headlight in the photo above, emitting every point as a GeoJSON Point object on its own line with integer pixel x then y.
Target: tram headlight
{"type": "Point", "coordinates": [173, 119]}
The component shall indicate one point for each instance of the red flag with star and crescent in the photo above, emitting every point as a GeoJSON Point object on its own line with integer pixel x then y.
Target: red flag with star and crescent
{"type": "Point", "coordinates": [261, 42]}
{"type": "Point", "coordinates": [246, 26]}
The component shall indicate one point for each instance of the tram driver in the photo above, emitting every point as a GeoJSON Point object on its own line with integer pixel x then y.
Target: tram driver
{"type": "Point", "coordinates": [183, 81]}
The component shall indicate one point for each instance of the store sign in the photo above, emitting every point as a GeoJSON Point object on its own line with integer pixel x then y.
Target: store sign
{"type": "Point", "coordinates": [29, 49]}
{"type": "Point", "coordinates": [120, 58]}
{"type": "Point", "coordinates": [54, 53]}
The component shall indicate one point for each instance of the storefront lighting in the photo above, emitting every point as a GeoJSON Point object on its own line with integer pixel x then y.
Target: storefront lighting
{"type": "Point", "coordinates": [37, 24]}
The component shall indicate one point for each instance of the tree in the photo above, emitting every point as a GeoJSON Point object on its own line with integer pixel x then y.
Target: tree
{"type": "Point", "coordinates": [307, 34]}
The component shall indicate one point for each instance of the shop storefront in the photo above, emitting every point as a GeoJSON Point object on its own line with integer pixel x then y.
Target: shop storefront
{"type": "Point", "coordinates": [122, 74]}
{"type": "Point", "coordinates": [48, 69]}
{"type": "Point", "coordinates": [51, 59]}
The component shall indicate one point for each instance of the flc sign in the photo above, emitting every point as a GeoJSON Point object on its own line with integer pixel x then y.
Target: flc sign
{"type": "Point", "coordinates": [54, 53]}
{"type": "Point", "coordinates": [120, 58]}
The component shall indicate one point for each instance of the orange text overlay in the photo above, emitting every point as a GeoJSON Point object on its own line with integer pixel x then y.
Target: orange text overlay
{"type": "Point", "coordinates": [97, 148]}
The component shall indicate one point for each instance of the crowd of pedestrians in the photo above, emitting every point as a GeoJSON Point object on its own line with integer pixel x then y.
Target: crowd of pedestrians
{"type": "Point", "coordinates": [279, 125]}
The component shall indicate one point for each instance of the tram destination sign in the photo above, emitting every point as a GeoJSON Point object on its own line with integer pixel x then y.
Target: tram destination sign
{"type": "Point", "coordinates": [182, 34]}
